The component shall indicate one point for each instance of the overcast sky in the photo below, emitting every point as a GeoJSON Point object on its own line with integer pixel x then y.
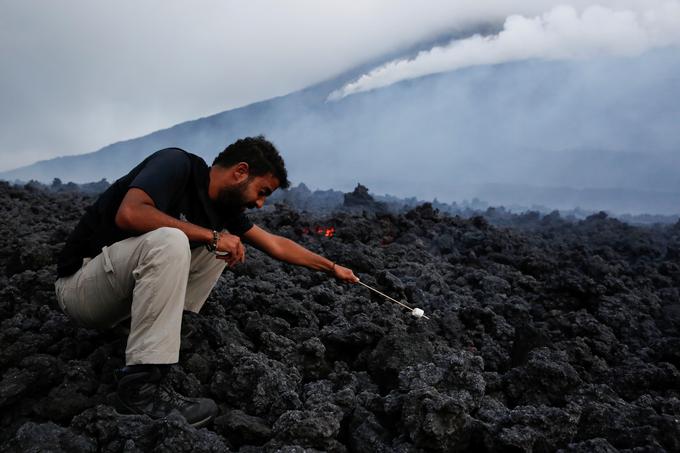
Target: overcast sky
{"type": "Point", "coordinates": [77, 75]}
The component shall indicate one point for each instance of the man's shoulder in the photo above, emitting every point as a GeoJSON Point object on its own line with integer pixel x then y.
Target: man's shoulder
{"type": "Point", "coordinates": [180, 154]}
{"type": "Point", "coordinates": [171, 153]}
{"type": "Point", "coordinates": [177, 157]}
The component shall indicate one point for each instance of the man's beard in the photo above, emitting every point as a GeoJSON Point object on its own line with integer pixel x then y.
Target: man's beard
{"type": "Point", "coordinates": [234, 197]}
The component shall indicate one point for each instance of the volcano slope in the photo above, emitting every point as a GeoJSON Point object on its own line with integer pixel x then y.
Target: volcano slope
{"type": "Point", "coordinates": [544, 336]}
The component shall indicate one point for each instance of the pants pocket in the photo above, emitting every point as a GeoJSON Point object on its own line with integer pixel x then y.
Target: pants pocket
{"type": "Point", "coordinates": [110, 274]}
{"type": "Point", "coordinates": [92, 297]}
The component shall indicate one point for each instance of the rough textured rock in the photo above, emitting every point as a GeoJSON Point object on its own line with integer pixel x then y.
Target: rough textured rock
{"type": "Point", "coordinates": [545, 335]}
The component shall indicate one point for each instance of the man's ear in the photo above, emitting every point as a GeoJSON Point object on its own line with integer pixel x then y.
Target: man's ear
{"type": "Point", "coordinates": [241, 171]}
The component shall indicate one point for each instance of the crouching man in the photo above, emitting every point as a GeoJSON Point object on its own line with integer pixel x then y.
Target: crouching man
{"type": "Point", "coordinates": [155, 243]}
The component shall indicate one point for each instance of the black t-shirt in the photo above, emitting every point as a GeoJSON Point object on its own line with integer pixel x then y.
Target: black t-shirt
{"type": "Point", "coordinates": [176, 181]}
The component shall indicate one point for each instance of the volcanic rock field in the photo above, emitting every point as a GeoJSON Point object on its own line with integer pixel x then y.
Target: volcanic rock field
{"type": "Point", "coordinates": [544, 335]}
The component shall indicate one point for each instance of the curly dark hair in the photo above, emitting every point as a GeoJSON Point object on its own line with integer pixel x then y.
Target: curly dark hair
{"type": "Point", "coordinates": [261, 156]}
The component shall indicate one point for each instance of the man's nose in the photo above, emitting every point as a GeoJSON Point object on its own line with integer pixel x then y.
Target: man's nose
{"type": "Point", "coordinates": [259, 203]}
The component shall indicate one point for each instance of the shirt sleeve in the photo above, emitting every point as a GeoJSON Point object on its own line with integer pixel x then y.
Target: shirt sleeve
{"type": "Point", "coordinates": [164, 177]}
{"type": "Point", "coordinates": [239, 224]}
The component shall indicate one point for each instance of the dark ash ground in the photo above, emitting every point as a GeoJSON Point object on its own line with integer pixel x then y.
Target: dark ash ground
{"type": "Point", "coordinates": [545, 335]}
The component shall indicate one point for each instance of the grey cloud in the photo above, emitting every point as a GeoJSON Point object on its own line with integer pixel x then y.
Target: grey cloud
{"type": "Point", "coordinates": [79, 74]}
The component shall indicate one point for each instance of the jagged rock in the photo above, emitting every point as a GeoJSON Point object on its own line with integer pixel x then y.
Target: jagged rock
{"type": "Point", "coordinates": [266, 386]}
{"type": "Point", "coordinates": [437, 398]}
{"type": "Point", "coordinates": [545, 334]}
{"type": "Point", "coordinates": [311, 427]}
{"type": "Point", "coordinates": [359, 197]}
{"type": "Point", "coordinates": [241, 428]}
{"type": "Point", "coordinates": [546, 378]}
{"type": "Point", "coordinates": [597, 445]}
{"type": "Point", "coordinates": [113, 432]}
{"type": "Point", "coordinates": [49, 437]}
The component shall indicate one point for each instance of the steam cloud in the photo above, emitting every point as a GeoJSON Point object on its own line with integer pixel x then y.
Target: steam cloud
{"type": "Point", "coordinates": [560, 34]}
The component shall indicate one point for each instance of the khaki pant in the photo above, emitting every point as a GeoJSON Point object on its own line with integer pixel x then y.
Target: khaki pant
{"type": "Point", "coordinates": [151, 279]}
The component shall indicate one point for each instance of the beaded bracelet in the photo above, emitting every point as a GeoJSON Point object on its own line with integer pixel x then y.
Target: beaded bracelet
{"type": "Point", "coordinates": [213, 245]}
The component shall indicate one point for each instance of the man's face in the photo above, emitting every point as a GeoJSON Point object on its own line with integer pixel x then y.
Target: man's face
{"type": "Point", "coordinates": [250, 193]}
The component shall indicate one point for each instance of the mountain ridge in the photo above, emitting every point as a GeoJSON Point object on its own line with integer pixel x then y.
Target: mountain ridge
{"type": "Point", "coordinates": [542, 124]}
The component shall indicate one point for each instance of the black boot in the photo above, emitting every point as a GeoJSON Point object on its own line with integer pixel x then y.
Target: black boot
{"type": "Point", "coordinates": [141, 390]}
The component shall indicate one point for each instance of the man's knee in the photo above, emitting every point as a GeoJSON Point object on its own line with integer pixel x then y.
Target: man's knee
{"type": "Point", "coordinates": [170, 242]}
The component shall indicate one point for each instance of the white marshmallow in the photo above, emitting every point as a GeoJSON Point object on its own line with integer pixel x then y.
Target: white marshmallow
{"type": "Point", "coordinates": [417, 312]}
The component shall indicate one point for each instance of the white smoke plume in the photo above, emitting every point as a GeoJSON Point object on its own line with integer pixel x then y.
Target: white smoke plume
{"type": "Point", "coordinates": [559, 34]}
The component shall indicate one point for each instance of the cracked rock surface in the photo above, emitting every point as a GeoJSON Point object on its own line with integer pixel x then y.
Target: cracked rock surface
{"type": "Point", "coordinates": [545, 335]}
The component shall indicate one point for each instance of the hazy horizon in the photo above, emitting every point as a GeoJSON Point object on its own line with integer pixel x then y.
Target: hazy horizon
{"type": "Point", "coordinates": [538, 94]}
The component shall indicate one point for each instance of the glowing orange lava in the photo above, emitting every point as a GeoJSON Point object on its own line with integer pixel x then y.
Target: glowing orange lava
{"type": "Point", "coordinates": [328, 232]}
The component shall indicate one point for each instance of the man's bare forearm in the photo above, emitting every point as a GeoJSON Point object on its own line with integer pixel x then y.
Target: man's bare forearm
{"type": "Point", "coordinates": [293, 253]}
{"type": "Point", "coordinates": [144, 218]}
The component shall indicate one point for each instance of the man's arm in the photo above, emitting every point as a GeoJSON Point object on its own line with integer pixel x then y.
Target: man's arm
{"type": "Point", "coordinates": [137, 212]}
{"type": "Point", "coordinates": [284, 249]}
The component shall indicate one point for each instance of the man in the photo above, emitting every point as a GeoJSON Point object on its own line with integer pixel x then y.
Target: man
{"type": "Point", "coordinates": [154, 244]}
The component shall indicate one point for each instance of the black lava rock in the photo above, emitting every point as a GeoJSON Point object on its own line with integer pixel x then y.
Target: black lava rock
{"type": "Point", "coordinates": [544, 335]}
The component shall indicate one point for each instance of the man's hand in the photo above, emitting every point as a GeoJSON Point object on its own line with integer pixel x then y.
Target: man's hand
{"type": "Point", "coordinates": [230, 244]}
{"type": "Point", "coordinates": [344, 274]}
